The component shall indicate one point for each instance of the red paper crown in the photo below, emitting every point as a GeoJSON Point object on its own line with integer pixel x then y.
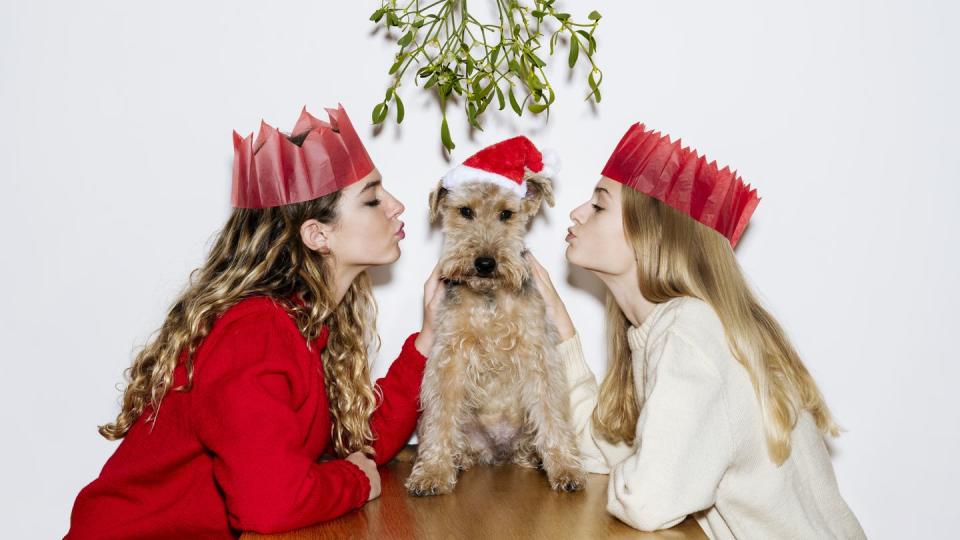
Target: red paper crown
{"type": "Point", "coordinates": [505, 164]}
{"type": "Point", "coordinates": [677, 176]}
{"type": "Point", "coordinates": [273, 171]}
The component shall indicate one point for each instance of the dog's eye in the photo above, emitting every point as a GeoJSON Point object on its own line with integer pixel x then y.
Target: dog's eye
{"type": "Point", "coordinates": [506, 214]}
{"type": "Point", "coordinates": [466, 212]}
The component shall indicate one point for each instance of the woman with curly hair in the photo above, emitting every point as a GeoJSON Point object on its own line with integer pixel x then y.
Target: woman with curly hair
{"type": "Point", "coordinates": [252, 409]}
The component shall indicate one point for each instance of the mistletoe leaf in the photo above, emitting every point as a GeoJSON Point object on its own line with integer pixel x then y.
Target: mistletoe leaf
{"type": "Point", "coordinates": [537, 108]}
{"type": "Point", "coordinates": [485, 91]}
{"type": "Point", "coordinates": [594, 15]}
{"type": "Point", "coordinates": [534, 82]}
{"type": "Point", "coordinates": [400, 111]}
{"type": "Point", "coordinates": [574, 51]}
{"type": "Point", "coordinates": [393, 69]}
{"type": "Point", "coordinates": [592, 42]}
{"type": "Point", "coordinates": [472, 113]}
{"type": "Point", "coordinates": [595, 86]}
{"type": "Point", "coordinates": [379, 113]}
{"type": "Point", "coordinates": [485, 103]}
{"type": "Point", "coordinates": [536, 59]}
{"type": "Point", "coordinates": [513, 103]}
{"type": "Point", "coordinates": [445, 135]}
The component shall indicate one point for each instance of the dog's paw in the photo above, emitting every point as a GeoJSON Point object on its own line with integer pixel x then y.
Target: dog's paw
{"type": "Point", "coordinates": [464, 462]}
{"type": "Point", "coordinates": [567, 480]}
{"type": "Point", "coordinates": [422, 483]}
{"type": "Point", "coordinates": [527, 460]}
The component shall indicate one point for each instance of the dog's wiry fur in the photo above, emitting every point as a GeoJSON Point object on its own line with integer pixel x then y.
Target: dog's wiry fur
{"type": "Point", "coordinates": [494, 390]}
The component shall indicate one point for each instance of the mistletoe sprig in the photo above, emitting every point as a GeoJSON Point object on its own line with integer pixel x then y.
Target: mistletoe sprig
{"type": "Point", "coordinates": [453, 53]}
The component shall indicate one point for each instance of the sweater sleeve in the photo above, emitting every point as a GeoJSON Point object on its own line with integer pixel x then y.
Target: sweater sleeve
{"type": "Point", "coordinates": [395, 418]}
{"type": "Point", "coordinates": [245, 414]}
{"type": "Point", "coordinates": [597, 454]}
{"type": "Point", "coordinates": [683, 442]}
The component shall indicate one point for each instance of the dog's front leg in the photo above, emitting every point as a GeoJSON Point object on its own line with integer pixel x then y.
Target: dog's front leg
{"type": "Point", "coordinates": [442, 397]}
{"type": "Point", "coordinates": [545, 397]}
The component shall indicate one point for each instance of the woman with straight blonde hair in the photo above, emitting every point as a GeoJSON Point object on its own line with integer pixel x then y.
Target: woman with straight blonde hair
{"type": "Point", "coordinates": [706, 409]}
{"type": "Point", "coordinates": [252, 409]}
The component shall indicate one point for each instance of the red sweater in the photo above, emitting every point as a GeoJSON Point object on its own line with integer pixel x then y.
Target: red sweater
{"type": "Point", "coordinates": [240, 450]}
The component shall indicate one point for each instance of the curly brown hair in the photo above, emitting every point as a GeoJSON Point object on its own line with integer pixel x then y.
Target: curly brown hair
{"type": "Point", "coordinates": [259, 252]}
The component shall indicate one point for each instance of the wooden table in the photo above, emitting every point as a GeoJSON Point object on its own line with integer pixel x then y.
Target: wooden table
{"type": "Point", "coordinates": [489, 502]}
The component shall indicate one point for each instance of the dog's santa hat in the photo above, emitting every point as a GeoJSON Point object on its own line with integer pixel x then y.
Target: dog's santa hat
{"type": "Point", "coordinates": [507, 164]}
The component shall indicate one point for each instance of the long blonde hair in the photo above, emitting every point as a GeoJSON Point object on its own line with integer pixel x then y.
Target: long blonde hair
{"type": "Point", "coordinates": [259, 253]}
{"type": "Point", "coordinates": [678, 256]}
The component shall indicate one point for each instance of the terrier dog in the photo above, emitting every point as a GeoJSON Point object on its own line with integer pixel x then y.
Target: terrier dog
{"type": "Point", "coordinates": [493, 390]}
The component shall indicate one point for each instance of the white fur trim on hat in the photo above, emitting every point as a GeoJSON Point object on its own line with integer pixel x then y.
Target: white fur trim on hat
{"type": "Point", "coordinates": [462, 174]}
{"type": "Point", "coordinates": [551, 164]}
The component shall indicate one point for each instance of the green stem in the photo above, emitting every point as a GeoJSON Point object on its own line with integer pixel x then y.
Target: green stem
{"type": "Point", "coordinates": [421, 49]}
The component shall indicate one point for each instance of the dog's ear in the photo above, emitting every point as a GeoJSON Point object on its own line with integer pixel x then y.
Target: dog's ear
{"type": "Point", "coordinates": [436, 202]}
{"type": "Point", "coordinates": [539, 190]}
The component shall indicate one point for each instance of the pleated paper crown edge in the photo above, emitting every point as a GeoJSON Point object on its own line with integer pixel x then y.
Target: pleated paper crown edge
{"type": "Point", "coordinates": [678, 176]}
{"type": "Point", "coordinates": [272, 170]}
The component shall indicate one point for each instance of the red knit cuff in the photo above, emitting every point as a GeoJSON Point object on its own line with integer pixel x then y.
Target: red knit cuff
{"type": "Point", "coordinates": [410, 352]}
{"type": "Point", "coordinates": [360, 478]}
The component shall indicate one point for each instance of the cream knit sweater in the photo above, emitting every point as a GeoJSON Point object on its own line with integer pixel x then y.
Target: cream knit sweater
{"type": "Point", "coordinates": [699, 447]}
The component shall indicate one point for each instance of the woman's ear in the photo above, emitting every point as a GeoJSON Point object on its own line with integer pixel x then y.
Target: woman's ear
{"type": "Point", "coordinates": [436, 202]}
{"type": "Point", "coordinates": [316, 236]}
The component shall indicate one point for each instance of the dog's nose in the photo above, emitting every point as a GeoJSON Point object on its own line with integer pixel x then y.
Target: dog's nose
{"type": "Point", "coordinates": [484, 265]}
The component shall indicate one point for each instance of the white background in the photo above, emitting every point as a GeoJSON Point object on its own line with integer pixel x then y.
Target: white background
{"type": "Point", "coordinates": [115, 157]}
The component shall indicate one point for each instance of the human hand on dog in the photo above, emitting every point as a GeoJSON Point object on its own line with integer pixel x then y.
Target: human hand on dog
{"type": "Point", "coordinates": [556, 310]}
{"type": "Point", "coordinates": [432, 294]}
{"type": "Point", "coordinates": [369, 468]}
